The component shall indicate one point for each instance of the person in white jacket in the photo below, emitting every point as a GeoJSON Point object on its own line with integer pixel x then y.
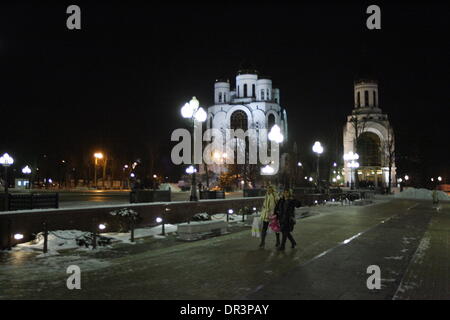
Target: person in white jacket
{"type": "Point", "coordinates": [267, 211]}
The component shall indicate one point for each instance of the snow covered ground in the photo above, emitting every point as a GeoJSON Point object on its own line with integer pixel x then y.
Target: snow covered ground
{"type": "Point", "coordinates": [67, 239]}
{"type": "Point", "coordinates": [421, 194]}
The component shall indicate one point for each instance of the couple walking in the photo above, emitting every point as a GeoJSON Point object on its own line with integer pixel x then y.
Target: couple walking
{"type": "Point", "coordinates": [278, 214]}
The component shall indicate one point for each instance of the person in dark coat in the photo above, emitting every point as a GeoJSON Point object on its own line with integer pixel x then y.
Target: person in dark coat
{"type": "Point", "coordinates": [285, 211]}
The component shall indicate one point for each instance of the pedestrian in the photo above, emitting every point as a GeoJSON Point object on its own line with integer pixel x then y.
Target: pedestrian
{"type": "Point", "coordinates": [435, 197]}
{"type": "Point", "coordinates": [285, 212]}
{"type": "Point", "coordinates": [267, 212]}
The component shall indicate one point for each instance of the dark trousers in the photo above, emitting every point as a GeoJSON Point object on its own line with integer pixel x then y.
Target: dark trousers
{"type": "Point", "coordinates": [265, 226]}
{"type": "Point", "coordinates": [287, 235]}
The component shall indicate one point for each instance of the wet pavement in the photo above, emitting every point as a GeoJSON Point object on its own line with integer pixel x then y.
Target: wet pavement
{"type": "Point", "coordinates": [409, 240]}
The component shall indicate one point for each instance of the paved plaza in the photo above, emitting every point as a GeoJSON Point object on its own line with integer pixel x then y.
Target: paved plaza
{"type": "Point", "coordinates": [407, 239]}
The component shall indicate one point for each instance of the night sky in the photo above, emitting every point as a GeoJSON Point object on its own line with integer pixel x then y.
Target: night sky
{"type": "Point", "coordinates": [119, 82]}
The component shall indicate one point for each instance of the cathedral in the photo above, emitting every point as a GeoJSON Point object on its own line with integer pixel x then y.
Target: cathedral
{"type": "Point", "coordinates": [369, 134]}
{"type": "Point", "coordinates": [252, 104]}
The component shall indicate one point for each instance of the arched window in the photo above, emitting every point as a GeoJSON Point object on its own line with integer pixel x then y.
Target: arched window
{"type": "Point", "coordinates": [253, 91]}
{"type": "Point", "coordinates": [239, 120]}
{"type": "Point", "coordinates": [268, 95]}
{"type": "Point", "coordinates": [245, 90]}
{"type": "Point", "coordinates": [366, 98]}
{"type": "Point", "coordinates": [262, 94]}
{"type": "Point", "coordinates": [224, 97]}
{"type": "Point", "coordinates": [270, 121]}
{"type": "Point", "coordinates": [220, 96]}
{"type": "Point", "coordinates": [358, 99]}
{"type": "Point", "coordinates": [210, 122]}
{"type": "Point", "coordinates": [375, 99]}
{"type": "Point", "coordinates": [368, 146]}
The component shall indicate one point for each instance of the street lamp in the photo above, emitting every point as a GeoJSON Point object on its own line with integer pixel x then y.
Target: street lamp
{"type": "Point", "coordinates": [26, 170]}
{"type": "Point", "coordinates": [6, 160]}
{"type": "Point", "coordinates": [275, 134]}
{"type": "Point", "coordinates": [318, 149]}
{"type": "Point", "coordinates": [267, 170]}
{"type": "Point", "coordinates": [351, 157]}
{"type": "Point", "coordinates": [193, 111]}
{"type": "Point", "coordinates": [352, 165]}
{"type": "Point", "coordinates": [97, 155]}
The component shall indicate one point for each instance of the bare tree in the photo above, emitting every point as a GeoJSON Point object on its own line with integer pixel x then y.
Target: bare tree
{"type": "Point", "coordinates": [388, 151]}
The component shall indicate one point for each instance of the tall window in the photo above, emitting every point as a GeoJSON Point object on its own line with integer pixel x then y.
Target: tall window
{"type": "Point", "coordinates": [220, 96]}
{"type": "Point", "coordinates": [238, 120]}
{"type": "Point", "coordinates": [374, 98]}
{"type": "Point", "coordinates": [366, 98]}
{"type": "Point", "coordinates": [358, 99]}
{"type": "Point", "coordinates": [262, 94]}
{"type": "Point", "coordinates": [253, 91]}
{"type": "Point", "coordinates": [368, 146]}
{"type": "Point", "coordinates": [245, 90]}
{"type": "Point", "coordinates": [224, 97]}
{"type": "Point", "coordinates": [270, 121]}
{"type": "Point", "coordinates": [268, 95]}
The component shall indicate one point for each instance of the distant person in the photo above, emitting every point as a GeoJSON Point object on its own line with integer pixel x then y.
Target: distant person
{"type": "Point", "coordinates": [285, 211]}
{"type": "Point", "coordinates": [267, 211]}
{"type": "Point", "coordinates": [435, 197]}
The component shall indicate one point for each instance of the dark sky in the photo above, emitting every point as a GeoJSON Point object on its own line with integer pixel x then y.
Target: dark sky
{"type": "Point", "coordinates": [118, 83]}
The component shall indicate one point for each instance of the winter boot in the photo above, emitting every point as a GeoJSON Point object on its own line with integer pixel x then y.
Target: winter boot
{"type": "Point", "coordinates": [263, 240]}
{"type": "Point", "coordinates": [278, 239]}
{"type": "Point", "coordinates": [294, 244]}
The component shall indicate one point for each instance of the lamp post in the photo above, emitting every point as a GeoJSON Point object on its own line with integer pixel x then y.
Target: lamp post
{"type": "Point", "coordinates": [26, 171]}
{"type": "Point", "coordinates": [6, 160]}
{"type": "Point", "coordinates": [276, 136]}
{"type": "Point", "coordinates": [97, 155]}
{"type": "Point", "coordinates": [318, 149]}
{"type": "Point", "coordinates": [154, 181]}
{"type": "Point", "coordinates": [196, 114]}
{"type": "Point", "coordinates": [352, 165]}
{"type": "Point", "coordinates": [350, 157]}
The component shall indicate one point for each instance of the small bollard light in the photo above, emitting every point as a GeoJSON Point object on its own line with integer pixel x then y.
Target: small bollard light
{"type": "Point", "coordinates": [102, 226]}
{"type": "Point", "coordinates": [18, 236]}
{"type": "Point", "coordinates": [230, 211]}
{"type": "Point", "coordinates": [160, 220]}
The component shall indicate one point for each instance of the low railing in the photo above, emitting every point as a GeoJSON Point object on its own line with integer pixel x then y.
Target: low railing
{"type": "Point", "coordinates": [29, 223]}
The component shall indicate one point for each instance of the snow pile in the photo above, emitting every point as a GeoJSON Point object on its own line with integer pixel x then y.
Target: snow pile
{"type": "Point", "coordinates": [421, 194]}
{"type": "Point", "coordinates": [125, 212]}
{"type": "Point", "coordinates": [173, 187]}
{"type": "Point", "coordinates": [57, 240]}
{"type": "Point", "coordinates": [67, 239]}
